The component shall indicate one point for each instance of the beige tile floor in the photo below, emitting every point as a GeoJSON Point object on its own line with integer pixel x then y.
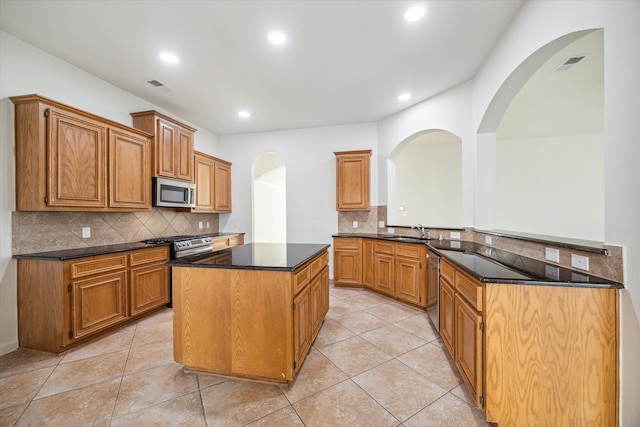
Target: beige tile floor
{"type": "Point", "coordinates": [375, 362]}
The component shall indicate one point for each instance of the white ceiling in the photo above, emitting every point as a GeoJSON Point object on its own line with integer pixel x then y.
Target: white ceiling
{"type": "Point", "coordinates": [344, 61]}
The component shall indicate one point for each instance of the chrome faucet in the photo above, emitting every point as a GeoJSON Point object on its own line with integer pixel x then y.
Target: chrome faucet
{"type": "Point", "coordinates": [420, 229]}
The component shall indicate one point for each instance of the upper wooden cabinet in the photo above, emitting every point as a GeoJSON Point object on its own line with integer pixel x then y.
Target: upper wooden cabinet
{"type": "Point", "coordinates": [213, 184]}
{"type": "Point", "coordinates": [173, 144]}
{"type": "Point", "coordinates": [352, 180]}
{"type": "Point", "coordinates": [71, 160]}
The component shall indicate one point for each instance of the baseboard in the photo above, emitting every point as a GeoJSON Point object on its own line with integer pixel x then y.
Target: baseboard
{"type": "Point", "coordinates": [8, 347]}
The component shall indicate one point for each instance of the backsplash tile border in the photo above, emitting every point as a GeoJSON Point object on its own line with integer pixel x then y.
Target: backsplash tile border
{"type": "Point", "coordinates": [48, 231]}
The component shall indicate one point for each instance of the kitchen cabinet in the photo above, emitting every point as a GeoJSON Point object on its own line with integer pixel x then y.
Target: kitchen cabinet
{"type": "Point", "coordinates": [347, 266]}
{"type": "Point", "coordinates": [353, 180]}
{"type": "Point", "coordinates": [551, 355]}
{"type": "Point", "coordinates": [256, 323]}
{"type": "Point", "coordinates": [395, 269]}
{"type": "Point", "coordinates": [410, 273]}
{"type": "Point", "coordinates": [173, 145]}
{"type": "Point", "coordinates": [213, 184]}
{"type": "Point", "coordinates": [71, 160]}
{"type": "Point", "coordinates": [147, 280]}
{"type": "Point", "coordinates": [64, 303]}
{"type": "Point", "coordinates": [368, 275]}
{"type": "Point", "coordinates": [461, 325]}
{"type": "Point", "coordinates": [383, 268]}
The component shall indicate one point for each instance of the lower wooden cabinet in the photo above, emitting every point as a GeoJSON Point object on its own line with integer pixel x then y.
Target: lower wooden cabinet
{"type": "Point", "coordinates": [61, 304]}
{"type": "Point", "coordinates": [98, 302]}
{"type": "Point", "coordinates": [468, 347]}
{"type": "Point", "coordinates": [392, 268]}
{"type": "Point", "coordinates": [147, 280]}
{"type": "Point", "coordinates": [250, 323]}
{"type": "Point", "coordinates": [347, 264]}
{"type": "Point", "coordinates": [447, 313]}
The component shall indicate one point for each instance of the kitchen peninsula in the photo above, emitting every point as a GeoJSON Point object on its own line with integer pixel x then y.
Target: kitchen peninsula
{"type": "Point", "coordinates": [250, 311]}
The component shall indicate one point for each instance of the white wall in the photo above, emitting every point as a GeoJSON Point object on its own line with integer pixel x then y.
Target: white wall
{"type": "Point", "coordinates": [450, 111]}
{"type": "Point", "coordinates": [25, 70]}
{"type": "Point", "coordinates": [551, 186]}
{"type": "Point", "coordinates": [538, 23]}
{"type": "Point", "coordinates": [311, 176]}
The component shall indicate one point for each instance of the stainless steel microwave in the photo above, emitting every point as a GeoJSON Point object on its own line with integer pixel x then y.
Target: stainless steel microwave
{"type": "Point", "coordinates": [171, 193]}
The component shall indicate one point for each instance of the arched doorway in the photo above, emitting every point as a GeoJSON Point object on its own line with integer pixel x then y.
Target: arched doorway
{"type": "Point", "coordinates": [541, 144]}
{"type": "Point", "coordinates": [269, 199]}
{"type": "Point", "coordinates": [425, 180]}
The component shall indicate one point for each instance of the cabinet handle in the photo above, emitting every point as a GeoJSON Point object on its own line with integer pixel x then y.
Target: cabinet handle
{"type": "Point", "coordinates": [69, 288]}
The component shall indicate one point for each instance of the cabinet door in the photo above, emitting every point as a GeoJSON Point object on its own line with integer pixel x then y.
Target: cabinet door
{"type": "Point", "coordinates": [129, 170]}
{"type": "Point", "coordinates": [346, 267]}
{"type": "Point", "coordinates": [77, 149]}
{"type": "Point", "coordinates": [98, 302]}
{"type": "Point", "coordinates": [468, 346]}
{"type": "Point", "coordinates": [316, 306]}
{"type": "Point", "coordinates": [408, 279]}
{"type": "Point", "coordinates": [302, 324]}
{"type": "Point", "coordinates": [367, 263]}
{"type": "Point", "coordinates": [166, 149]}
{"type": "Point", "coordinates": [222, 187]}
{"type": "Point", "coordinates": [148, 288]}
{"type": "Point", "coordinates": [204, 183]}
{"type": "Point", "coordinates": [352, 181]}
{"type": "Point", "coordinates": [447, 314]}
{"type": "Point", "coordinates": [184, 154]}
{"type": "Point", "coordinates": [384, 273]}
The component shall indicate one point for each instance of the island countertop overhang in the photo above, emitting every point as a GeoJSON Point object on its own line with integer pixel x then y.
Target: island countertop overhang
{"type": "Point", "coordinates": [256, 256]}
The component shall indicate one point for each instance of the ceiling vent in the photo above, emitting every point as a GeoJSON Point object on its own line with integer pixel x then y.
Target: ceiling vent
{"type": "Point", "coordinates": [569, 63]}
{"type": "Point", "coordinates": [158, 84]}
{"type": "Point", "coordinates": [155, 83]}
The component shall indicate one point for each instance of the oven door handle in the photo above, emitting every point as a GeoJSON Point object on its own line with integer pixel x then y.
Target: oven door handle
{"type": "Point", "coordinates": [193, 251]}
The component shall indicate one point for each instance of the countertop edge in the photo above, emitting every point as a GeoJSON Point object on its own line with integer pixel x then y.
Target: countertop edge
{"type": "Point", "coordinates": [602, 284]}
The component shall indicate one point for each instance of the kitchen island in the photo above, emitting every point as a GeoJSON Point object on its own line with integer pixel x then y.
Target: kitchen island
{"type": "Point", "coordinates": [251, 311]}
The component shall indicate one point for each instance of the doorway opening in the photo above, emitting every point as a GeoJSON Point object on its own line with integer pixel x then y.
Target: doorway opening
{"type": "Point", "coordinates": [269, 199]}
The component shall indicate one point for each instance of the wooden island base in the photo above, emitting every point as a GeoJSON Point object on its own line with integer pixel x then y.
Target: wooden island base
{"type": "Point", "coordinates": [250, 323]}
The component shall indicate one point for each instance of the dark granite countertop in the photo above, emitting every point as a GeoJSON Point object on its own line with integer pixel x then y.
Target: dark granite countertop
{"type": "Point", "coordinates": [63, 254]}
{"type": "Point", "coordinates": [256, 256]}
{"type": "Point", "coordinates": [493, 265]}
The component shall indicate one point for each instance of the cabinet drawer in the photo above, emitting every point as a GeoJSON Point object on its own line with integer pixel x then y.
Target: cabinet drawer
{"type": "Point", "coordinates": [409, 251]}
{"type": "Point", "coordinates": [346, 243]}
{"type": "Point", "coordinates": [446, 270]}
{"type": "Point", "coordinates": [98, 265]}
{"type": "Point", "coordinates": [145, 256]}
{"type": "Point", "coordinates": [469, 289]}
{"type": "Point", "coordinates": [318, 264]}
{"type": "Point", "coordinates": [301, 278]}
{"type": "Point", "coordinates": [384, 248]}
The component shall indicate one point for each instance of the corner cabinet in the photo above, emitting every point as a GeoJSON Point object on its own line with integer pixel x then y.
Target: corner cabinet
{"type": "Point", "coordinates": [353, 180]}
{"type": "Point", "coordinates": [64, 303]}
{"type": "Point", "coordinates": [395, 269]}
{"type": "Point", "coordinates": [532, 354]}
{"type": "Point", "coordinates": [71, 160]}
{"type": "Point", "coordinates": [173, 144]}
{"type": "Point", "coordinates": [213, 184]}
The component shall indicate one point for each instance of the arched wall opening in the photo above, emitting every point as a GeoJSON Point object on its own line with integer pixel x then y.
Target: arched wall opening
{"type": "Point", "coordinates": [425, 180]}
{"type": "Point", "coordinates": [269, 196]}
{"type": "Point", "coordinates": [540, 144]}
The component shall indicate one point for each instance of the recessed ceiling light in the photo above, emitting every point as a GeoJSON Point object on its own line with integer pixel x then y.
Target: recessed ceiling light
{"type": "Point", "coordinates": [414, 13]}
{"type": "Point", "coordinates": [404, 97]}
{"type": "Point", "coordinates": [277, 37]}
{"type": "Point", "coordinates": [169, 57]}
{"type": "Point", "coordinates": [244, 114]}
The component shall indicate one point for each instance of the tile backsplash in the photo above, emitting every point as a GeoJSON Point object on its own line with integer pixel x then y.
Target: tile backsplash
{"type": "Point", "coordinates": [47, 231]}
